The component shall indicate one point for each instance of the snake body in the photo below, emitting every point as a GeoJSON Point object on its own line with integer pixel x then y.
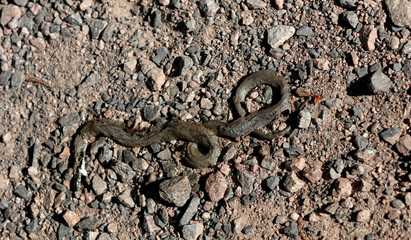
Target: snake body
{"type": "Point", "coordinates": [201, 136]}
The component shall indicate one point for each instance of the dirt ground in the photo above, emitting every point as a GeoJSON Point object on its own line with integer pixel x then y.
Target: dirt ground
{"type": "Point", "coordinates": [342, 173]}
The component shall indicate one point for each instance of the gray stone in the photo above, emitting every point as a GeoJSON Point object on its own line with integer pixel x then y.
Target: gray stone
{"type": "Point", "coordinates": [149, 224]}
{"type": "Point", "coordinates": [64, 232]}
{"type": "Point", "coordinates": [21, 3]}
{"type": "Point", "coordinates": [246, 180]}
{"type": "Point", "coordinates": [126, 199]}
{"type": "Point", "coordinates": [272, 182]}
{"type": "Point", "coordinates": [351, 18]}
{"type": "Point", "coordinates": [291, 230]}
{"type": "Point", "coordinates": [22, 192]}
{"type": "Point", "coordinates": [151, 205]}
{"type": "Point", "coordinates": [74, 19]}
{"type": "Point", "coordinates": [305, 31]}
{"type": "Point", "coordinates": [277, 35]}
{"type": "Point", "coordinates": [349, 3]}
{"type": "Point", "coordinates": [190, 211]}
{"type": "Point", "coordinates": [175, 190]}
{"type": "Point", "coordinates": [5, 77]}
{"type": "Point", "coordinates": [183, 64]}
{"type": "Point", "coordinates": [165, 154]}
{"type": "Point", "coordinates": [17, 79]}
{"type": "Point", "coordinates": [379, 83]}
{"type": "Point", "coordinates": [151, 112]}
{"type": "Point", "coordinates": [161, 54]}
{"type": "Point", "coordinates": [108, 32]}
{"type": "Point", "coordinates": [96, 27]}
{"type": "Point", "coordinates": [399, 12]}
{"type": "Point", "coordinates": [88, 224]}
{"type": "Point", "coordinates": [397, 203]}
{"type": "Point", "coordinates": [406, 48]}
{"type": "Point", "coordinates": [89, 81]}
{"type": "Point", "coordinates": [32, 226]}
{"type": "Point", "coordinates": [69, 119]}
{"type": "Point", "coordinates": [192, 231]}
{"type": "Point", "coordinates": [104, 236]}
{"type": "Point", "coordinates": [360, 142]}
{"type": "Point", "coordinates": [208, 7]}
{"type": "Point", "coordinates": [125, 172]}
{"type": "Point", "coordinates": [157, 19]}
{"type": "Point", "coordinates": [391, 135]}
{"type": "Point", "coordinates": [130, 66]}
{"type": "Point", "coordinates": [256, 4]}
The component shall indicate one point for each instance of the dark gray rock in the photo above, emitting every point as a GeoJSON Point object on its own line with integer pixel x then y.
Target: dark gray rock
{"type": "Point", "coordinates": [247, 229]}
{"type": "Point", "coordinates": [360, 142]}
{"type": "Point", "coordinates": [246, 180]}
{"type": "Point", "coordinates": [157, 19]}
{"type": "Point", "coordinates": [305, 31]}
{"type": "Point", "coordinates": [379, 83]}
{"type": "Point", "coordinates": [351, 18]}
{"type": "Point", "coordinates": [21, 3]}
{"type": "Point", "coordinates": [190, 211]}
{"type": "Point", "coordinates": [361, 71]}
{"type": "Point", "coordinates": [96, 27]}
{"type": "Point", "coordinates": [17, 79]}
{"type": "Point", "coordinates": [74, 19]}
{"type": "Point", "coordinates": [183, 65]}
{"type": "Point", "coordinates": [108, 32]}
{"type": "Point", "coordinates": [4, 77]}
{"type": "Point", "coordinates": [291, 230]}
{"type": "Point", "coordinates": [151, 112]}
{"type": "Point", "coordinates": [272, 182]}
{"type": "Point", "coordinates": [125, 172]}
{"type": "Point", "coordinates": [161, 54]}
{"type": "Point", "coordinates": [22, 192]}
{"type": "Point", "coordinates": [63, 232]}
{"type": "Point", "coordinates": [87, 224]}
{"type": "Point", "coordinates": [32, 226]}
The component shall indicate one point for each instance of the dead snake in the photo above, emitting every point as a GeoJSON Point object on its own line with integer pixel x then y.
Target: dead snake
{"type": "Point", "coordinates": [198, 134]}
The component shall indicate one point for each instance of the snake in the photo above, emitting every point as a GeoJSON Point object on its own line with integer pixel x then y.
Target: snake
{"type": "Point", "coordinates": [203, 149]}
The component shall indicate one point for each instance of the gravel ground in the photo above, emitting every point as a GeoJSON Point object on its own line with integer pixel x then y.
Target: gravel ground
{"type": "Point", "coordinates": [343, 173]}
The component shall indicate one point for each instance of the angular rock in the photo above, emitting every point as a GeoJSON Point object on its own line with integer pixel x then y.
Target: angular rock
{"type": "Point", "coordinates": [246, 180]}
{"type": "Point", "coordinates": [379, 83]}
{"type": "Point", "coordinates": [292, 183]}
{"type": "Point", "coordinates": [151, 112]}
{"type": "Point", "coordinates": [208, 7]}
{"type": "Point", "coordinates": [360, 142]}
{"type": "Point", "coordinates": [130, 66]}
{"type": "Point", "coordinates": [349, 3]}
{"type": "Point", "coordinates": [192, 231]}
{"type": "Point", "coordinates": [313, 174]}
{"type": "Point", "coordinates": [256, 4]}
{"type": "Point", "coordinates": [399, 12]}
{"type": "Point", "coordinates": [17, 79]}
{"type": "Point", "coordinates": [391, 135]}
{"type": "Point", "coordinates": [86, 4]}
{"type": "Point", "coordinates": [305, 31]}
{"type": "Point", "coordinates": [304, 119]}
{"type": "Point", "coordinates": [277, 35]}
{"type": "Point", "coordinates": [99, 185]}
{"type": "Point", "coordinates": [351, 18]}
{"type": "Point", "coordinates": [149, 224]}
{"type": "Point", "coordinates": [126, 199]}
{"type": "Point", "coordinates": [88, 224]}
{"type": "Point", "coordinates": [215, 186]}
{"type": "Point", "coordinates": [183, 65]}
{"type": "Point", "coordinates": [363, 216]}
{"type": "Point", "coordinates": [74, 19]}
{"type": "Point", "coordinates": [272, 182]}
{"type": "Point", "coordinates": [404, 145]}
{"type": "Point", "coordinates": [39, 43]}
{"type": "Point", "coordinates": [344, 187]}
{"type": "Point", "coordinates": [368, 35]}
{"type": "Point", "coordinates": [71, 218]}
{"type": "Point", "coordinates": [96, 27]}
{"type": "Point", "coordinates": [190, 211]}
{"type": "Point", "coordinates": [8, 12]}
{"type": "Point", "coordinates": [5, 77]}
{"type": "Point", "coordinates": [161, 54]}
{"type": "Point", "coordinates": [175, 190]}
{"type": "Point", "coordinates": [291, 230]}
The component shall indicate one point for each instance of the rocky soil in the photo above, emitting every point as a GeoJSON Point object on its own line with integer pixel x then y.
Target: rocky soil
{"type": "Point", "coordinates": [342, 173]}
